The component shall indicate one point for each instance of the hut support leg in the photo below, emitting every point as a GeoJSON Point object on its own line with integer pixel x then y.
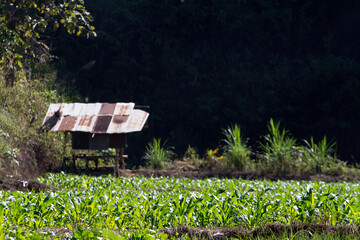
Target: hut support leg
{"type": "Point", "coordinates": [122, 162]}
{"type": "Point", "coordinates": [64, 150]}
{"type": "Point", "coordinates": [74, 162]}
{"type": "Point", "coordinates": [119, 160]}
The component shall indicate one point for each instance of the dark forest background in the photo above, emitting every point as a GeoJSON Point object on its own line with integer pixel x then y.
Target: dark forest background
{"type": "Point", "coordinates": [204, 65]}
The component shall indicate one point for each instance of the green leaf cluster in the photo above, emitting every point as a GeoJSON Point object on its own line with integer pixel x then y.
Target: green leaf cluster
{"type": "Point", "coordinates": [24, 23]}
{"type": "Point", "coordinates": [138, 208]}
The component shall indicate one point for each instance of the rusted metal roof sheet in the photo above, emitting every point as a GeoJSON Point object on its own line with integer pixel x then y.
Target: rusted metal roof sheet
{"type": "Point", "coordinates": [111, 118]}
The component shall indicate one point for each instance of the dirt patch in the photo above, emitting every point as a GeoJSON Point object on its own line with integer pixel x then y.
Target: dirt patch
{"type": "Point", "coordinates": [60, 233]}
{"type": "Point", "coordinates": [57, 231]}
{"type": "Point", "coordinates": [189, 172]}
{"type": "Point", "coordinates": [12, 183]}
{"type": "Point", "coordinates": [273, 229]}
{"type": "Point", "coordinates": [201, 174]}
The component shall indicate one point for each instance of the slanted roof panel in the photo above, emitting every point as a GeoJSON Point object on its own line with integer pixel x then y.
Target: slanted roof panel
{"type": "Point", "coordinates": [108, 118]}
{"type": "Point", "coordinates": [118, 124]}
{"type": "Point", "coordinates": [90, 109]}
{"type": "Point", "coordinates": [67, 123]}
{"type": "Point", "coordinates": [86, 123]}
{"type": "Point", "coordinates": [124, 108]}
{"type": "Point", "coordinates": [107, 109]}
{"type": "Point", "coordinates": [136, 121]}
{"type": "Point", "coordinates": [72, 109]}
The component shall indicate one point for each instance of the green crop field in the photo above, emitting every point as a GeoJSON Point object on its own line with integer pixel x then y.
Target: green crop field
{"type": "Point", "coordinates": [85, 207]}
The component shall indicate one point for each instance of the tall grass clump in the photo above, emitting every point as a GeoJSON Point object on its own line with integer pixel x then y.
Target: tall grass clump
{"type": "Point", "coordinates": [321, 156]}
{"type": "Point", "coordinates": [280, 154]}
{"type": "Point", "coordinates": [157, 154]}
{"type": "Point", "coordinates": [237, 154]}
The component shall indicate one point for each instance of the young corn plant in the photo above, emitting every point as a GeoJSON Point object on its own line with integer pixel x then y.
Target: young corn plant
{"type": "Point", "coordinates": [280, 152]}
{"type": "Point", "coordinates": [237, 154]}
{"type": "Point", "coordinates": [157, 154]}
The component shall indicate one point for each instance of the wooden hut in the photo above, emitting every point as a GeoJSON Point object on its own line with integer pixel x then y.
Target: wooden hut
{"type": "Point", "coordinates": [96, 126]}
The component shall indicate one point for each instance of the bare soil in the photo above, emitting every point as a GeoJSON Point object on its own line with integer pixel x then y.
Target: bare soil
{"type": "Point", "coordinates": [273, 229]}
{"type": "Point", "coordinates": [59, 232]}
{"type": "Point", "coordinates": [12, 183]}
{"type": "Point", "coordinates": [32, 161]}
{"type": "Point", "coordinates": [181, 171]}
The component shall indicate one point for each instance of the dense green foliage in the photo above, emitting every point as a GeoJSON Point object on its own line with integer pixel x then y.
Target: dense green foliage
{"type": "Point", "coordinates": [141, 206]}
{"type": "Point", "coordinates": [204, 65]}
{"type": "Point", "coordinates": [25, 149]}
{"type": "Point", "coordinates": [23, 23]}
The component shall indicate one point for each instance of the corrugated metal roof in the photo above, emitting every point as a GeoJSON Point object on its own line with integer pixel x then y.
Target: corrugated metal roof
{"type": "Point", "coordinates": [96, 117]}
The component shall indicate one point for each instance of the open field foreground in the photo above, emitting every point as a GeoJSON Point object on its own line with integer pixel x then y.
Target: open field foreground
{"type": "Point", "coordinates": [83, 207]}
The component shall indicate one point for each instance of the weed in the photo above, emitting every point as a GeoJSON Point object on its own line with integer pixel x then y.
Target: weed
{"type": "Point", "coordinates": [237, 154]}
{"type": "Point", "coordinates": [157, 154]}
{"type": "Point", "coordinates": [280, 152]}
{"type": "Point", "coordinates": [319, 155]}
{"type": "Point", "coordinates": [192, 156]}
{"type": "Point", "coordinates": [211, 159]}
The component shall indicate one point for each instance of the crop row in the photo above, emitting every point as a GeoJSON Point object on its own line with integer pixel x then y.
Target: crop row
{"type": "Point", "coordinates": [90, 204]}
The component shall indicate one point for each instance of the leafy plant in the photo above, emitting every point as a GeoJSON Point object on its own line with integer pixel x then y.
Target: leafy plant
{"type": "Point", "coordinates": [320, 156]}
{"type": "Point", "coordinates": [191, 153]}
{"type": "Point", "coordinates": [280, 152]}
{"type": "Point", "coordinates": [237, 154]}
{"type": "Point", "coordinates": [23, 22]}
{"type": "Point", "coordinates": [140, 208]}
{"type": "Point", "coordinates": [157, 154]}
{"type": "Point", "coordinates": [192, 156]}
{"type": "Point", "coordinates": [211, 159]}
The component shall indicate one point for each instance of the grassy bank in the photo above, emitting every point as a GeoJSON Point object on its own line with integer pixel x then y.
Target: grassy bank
{"type": "Point", "coordinates": [26, 149]}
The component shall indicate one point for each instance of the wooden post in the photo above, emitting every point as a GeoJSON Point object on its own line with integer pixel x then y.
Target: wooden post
{"type": "Point", "coordinates": [64, 150]}
{"type": "Point", "coordinates": [96, 163]}
{"type": "Point", "coordinates": [74, 162]}
{"type": "Point", "coordinates": [122, 162]}
{"type": "Point", "coordinates": [119, 160]}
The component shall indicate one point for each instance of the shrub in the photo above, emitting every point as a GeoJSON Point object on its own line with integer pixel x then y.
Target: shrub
{"type": "Point", "coordinates": [157, 154]}
{"type": "Point", "coordinates": [237, 154]}
{"type": "Point", "coordinates": [192, 156]}
{"type": "Point", "coordinates": [23, 148]}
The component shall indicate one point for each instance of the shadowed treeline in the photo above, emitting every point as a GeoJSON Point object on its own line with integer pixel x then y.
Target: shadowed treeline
{"type": "Point", "coordinates": [203, 65]}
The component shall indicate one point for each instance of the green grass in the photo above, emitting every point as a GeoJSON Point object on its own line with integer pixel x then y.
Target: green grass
{"type": "Point", "coordinates": [279, 150]}
{"type": "Point", "coordinates": [320, 156]}
{"type": "Point", "coordinates": [157, 154]}
{"type": "Point", "coordinates": [237, 154]}
{"type": "Point", "coordinates": [138, 206]}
